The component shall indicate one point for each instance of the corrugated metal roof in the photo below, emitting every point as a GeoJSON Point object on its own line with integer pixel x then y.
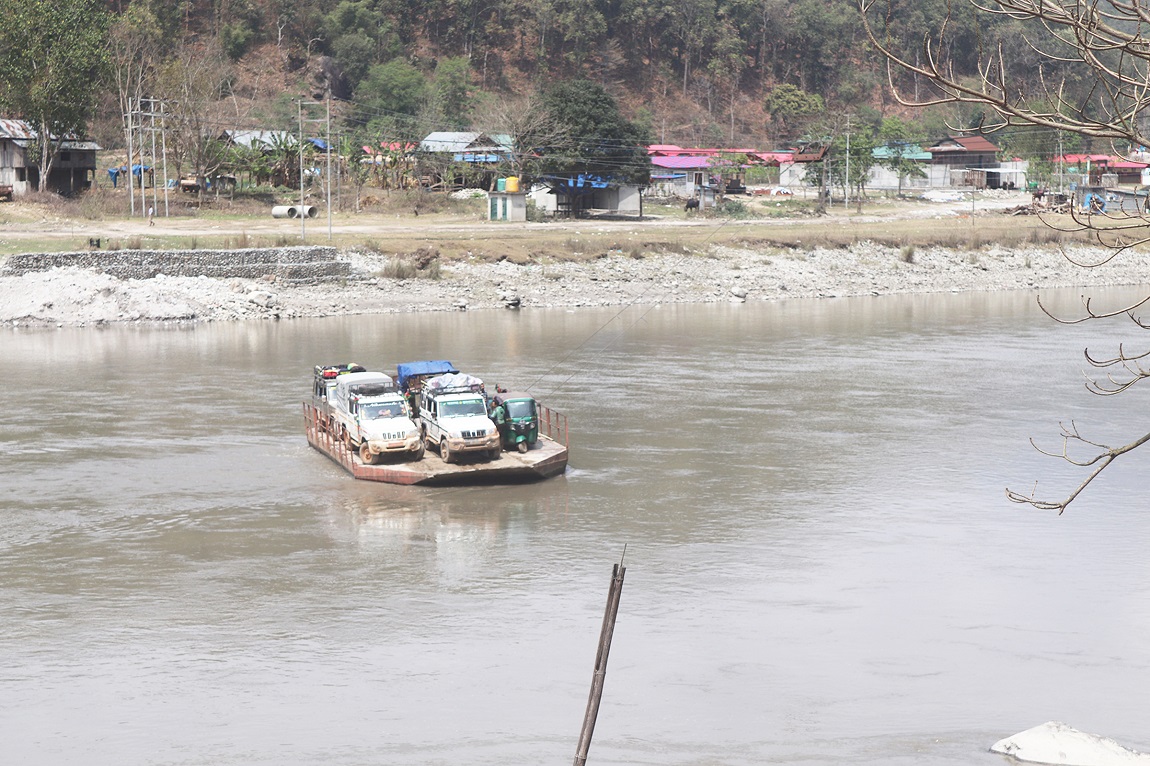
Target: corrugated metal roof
{"type": "Point", "coordinates": [670, 150]}
{"type": "Point", "coordinates": [1109, 160]}
{"type": "Point", "coordinates": [464, 141]}
{"type": "Point", "coordinates": [260, 138]}
{"type": "Point", "coordinates": [16, 129]}
{"type": "Point", "coordinates": [963, 144]}
{"type": "Point", "coordinates": [21, 133]}
{"type": "Point", "coordinates": [907, 152]}
{"type": "Point", "coordinates": [73, 146]}
{"type": "Point", "coordinates": [777, 157]}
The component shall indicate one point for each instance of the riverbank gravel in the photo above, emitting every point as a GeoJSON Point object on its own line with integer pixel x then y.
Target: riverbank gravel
{"type": "Point", "coordinates": [73, 296]}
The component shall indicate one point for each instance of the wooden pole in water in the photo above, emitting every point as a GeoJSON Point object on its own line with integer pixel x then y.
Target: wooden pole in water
{"type": "Point", "coordinates": [601, 662]}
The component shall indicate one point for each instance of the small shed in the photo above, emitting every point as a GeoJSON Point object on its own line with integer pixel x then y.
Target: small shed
{"type": "Point", "coordinates": [506, 206]}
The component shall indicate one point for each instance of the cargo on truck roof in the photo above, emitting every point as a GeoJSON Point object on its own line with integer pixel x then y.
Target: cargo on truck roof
{"type": "Point", "coordinates": [417, 371]}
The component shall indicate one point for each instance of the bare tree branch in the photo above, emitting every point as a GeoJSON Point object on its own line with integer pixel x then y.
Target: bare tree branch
{"type": "Point", "coordinates": [1106, 45]}
{"type": "Point", "coordinates": [1101, 460]}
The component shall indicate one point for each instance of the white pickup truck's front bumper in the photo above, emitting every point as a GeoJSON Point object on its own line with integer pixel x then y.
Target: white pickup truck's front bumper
{"type": "Point", "coordinates": [393, 446]}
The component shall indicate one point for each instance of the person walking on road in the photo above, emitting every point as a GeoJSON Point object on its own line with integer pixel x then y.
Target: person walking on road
{"type": "Point", "coordinates": [151, 216]}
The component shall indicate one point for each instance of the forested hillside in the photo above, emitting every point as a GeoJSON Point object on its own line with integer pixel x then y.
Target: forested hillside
{"type": "Point", "coordinates": [693, 71]}
{"type": "Point", "coordinates": [738, 73]}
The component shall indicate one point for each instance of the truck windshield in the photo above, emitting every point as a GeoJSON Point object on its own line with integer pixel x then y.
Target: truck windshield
{"type": "Point", "coordinates": [381, 410]}
{"type": "Point", "coordinates": [462, 408]}
{"type": "Point", "coordinates": [520, 408]}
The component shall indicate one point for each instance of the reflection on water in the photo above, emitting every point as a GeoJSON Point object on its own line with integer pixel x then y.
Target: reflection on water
{"type": "Point", "coordinates": [821, 563]}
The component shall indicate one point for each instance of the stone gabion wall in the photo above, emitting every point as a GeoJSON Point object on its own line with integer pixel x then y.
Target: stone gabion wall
{"type": "Point", "coordinates": [297, 264]}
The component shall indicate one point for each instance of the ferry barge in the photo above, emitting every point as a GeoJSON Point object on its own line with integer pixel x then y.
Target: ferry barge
{"type": "Point", "coordinates": [327, 432]}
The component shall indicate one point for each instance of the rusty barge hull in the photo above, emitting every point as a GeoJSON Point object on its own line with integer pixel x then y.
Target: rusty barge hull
{"type": "Point", "coordinates": [546, 459]}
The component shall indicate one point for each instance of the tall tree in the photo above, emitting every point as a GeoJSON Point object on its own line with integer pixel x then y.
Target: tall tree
{"type": "Point", "coordinates": [136, 46]}
{"type": "Point", "coordinates": [53, 56]}
{"type": "Point", "coordinates": [596, 137]}
{"type": "Point", "coordinates": [791, 108]}
{"type": "Point", "coordinates": [529, 125]}
{"type": "Point", "coordinates": [902, 141]}
{"type": "Point", "coordinates": [451, 90]}
{"type": "Point", "coordinates": [389, 98]}
{"type": "Point", "coordinates": [195, 83]}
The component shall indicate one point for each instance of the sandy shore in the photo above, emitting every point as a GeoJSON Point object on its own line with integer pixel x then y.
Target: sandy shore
{"type": "Point", "coordinates": [78, 297]}
{"type": "Point", "coordinates": [710, 273]}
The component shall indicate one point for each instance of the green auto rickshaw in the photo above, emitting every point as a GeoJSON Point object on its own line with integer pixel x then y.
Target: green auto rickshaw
{"type": "Point", "coordinates": [517, 417]}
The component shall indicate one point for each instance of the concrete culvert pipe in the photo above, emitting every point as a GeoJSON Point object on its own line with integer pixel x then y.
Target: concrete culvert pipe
{"type": "Point", "coordinates": [308, 210]}
{"type": "Point", "coordinates": [285, 211]}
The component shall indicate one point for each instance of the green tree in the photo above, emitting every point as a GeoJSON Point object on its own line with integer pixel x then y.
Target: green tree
{"type": "Point", "coordinates": [901, 141]}
{"type": "Point", "coordinates": [693, 28]}
{"type": "Point", "coordinates": [361, 36]}
{"type": "Point", "coordinates": [453, 90]}
{"type": "Point", "coordinates": [389, 97]}
{"type": "Point", "coordinates": [791, 107]}
{"type": "Point", "coordinates": [728, 61]}
{"type": "Point", "coordinates": [53, 56]}
{"type": "Point", "coordinates": [581, 25]}
{"type": "Point", "coordinates": [355, 52]}
{"type": "Point", "coordinates": [595, 137]}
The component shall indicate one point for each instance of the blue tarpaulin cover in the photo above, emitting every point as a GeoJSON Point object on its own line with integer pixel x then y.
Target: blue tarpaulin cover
{"type": "Point", "coordinates": [409, 370]}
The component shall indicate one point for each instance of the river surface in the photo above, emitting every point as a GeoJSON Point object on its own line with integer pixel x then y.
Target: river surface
{"type": "Point", "coordinates": [822, 567]}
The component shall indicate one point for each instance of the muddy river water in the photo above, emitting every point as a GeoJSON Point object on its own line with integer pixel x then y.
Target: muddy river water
{"type": "Point", "coordinates": [822, 567]}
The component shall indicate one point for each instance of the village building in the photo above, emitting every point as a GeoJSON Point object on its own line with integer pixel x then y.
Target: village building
{"type": "Point", "coordinates": [881, 176]}
{"type": "Point", "coordinates": [586, 194]}
{"type": "Point", "coordinates": [685, 177]}
{"type": "Point", "coordinates": [1104, 170]}
{"type": "Point", "coordinates": [963, 161]}
{"type": "Point", "coordinates": [73, 170]}
{"type": "Point", "coordinates": [704, 174]}
{"type": "Point", "coordinates": [262, 140]}
{"type": "Point", "coordinates": [456, 159]}
{"type": "Point", "coordinates": [793, 169]}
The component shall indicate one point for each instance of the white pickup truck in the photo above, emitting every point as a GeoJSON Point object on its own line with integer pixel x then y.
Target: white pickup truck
{"type": "Point", "coordinates": [371, 416]}
{"type": "Point", "coordinates": [453, 418]}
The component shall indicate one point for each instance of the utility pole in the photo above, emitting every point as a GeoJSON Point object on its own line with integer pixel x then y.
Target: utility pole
{"type": "Point", "coordinates": [328, 139]}
{"type": "Point", "coordinates": [302, 203]}
{"type": "Point", "coordinates": [1061, 164]}
{"type": "Point", "coordinates": [131, 189]}
{"type": "Point", "coordinates": [164, 149]}
{"type": "Point", "coordinates": [847, 181]}
{"type": "Point", "coordinates": [302, 206]}
{"type": "Point", "coordinates": [143, 157]}
{"type": "Point", "coordinates": [152, 117]}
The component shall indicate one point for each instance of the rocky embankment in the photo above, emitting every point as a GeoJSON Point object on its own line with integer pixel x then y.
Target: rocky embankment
{"type": "Point", "coordinates": [86, 294]}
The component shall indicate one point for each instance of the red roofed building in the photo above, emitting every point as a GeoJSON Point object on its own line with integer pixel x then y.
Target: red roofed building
{"type": "Point", "coordinates": [964, 152]}
{"type": "Point", "coordinates": [1094, 167]}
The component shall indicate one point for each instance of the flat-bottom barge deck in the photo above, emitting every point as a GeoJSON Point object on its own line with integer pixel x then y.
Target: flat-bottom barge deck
{"type": "Point", "coordinates": [546, 458]}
